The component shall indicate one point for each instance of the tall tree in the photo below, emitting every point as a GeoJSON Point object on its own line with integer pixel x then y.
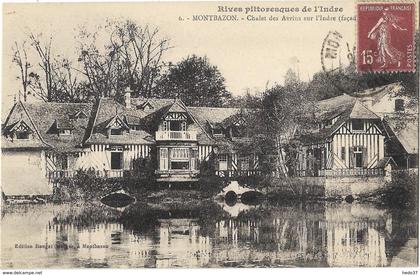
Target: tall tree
{"type": "Point", "coordinates": [44, 87]}
{"type": "Point", "coordinates": [285, 109]}
{"type": "Point", "coordinates": [196, 82]}
{"type": "Point", "coordinates": [20, 58]}
{"type": "Point", "coordinates": [54, 80]}
{"type": "Point", "coordinates": [132, 58]}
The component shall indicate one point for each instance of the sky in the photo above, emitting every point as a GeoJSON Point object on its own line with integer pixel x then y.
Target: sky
{"type": "Point", "coordinates": [250, 54]}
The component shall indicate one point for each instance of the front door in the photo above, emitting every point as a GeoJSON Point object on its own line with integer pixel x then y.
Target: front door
{"type": "Point", "coordinates": [116, 160]}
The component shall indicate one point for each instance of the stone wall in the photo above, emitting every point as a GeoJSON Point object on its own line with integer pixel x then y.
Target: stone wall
{"type": "Point", "coordinates": [341, 187]}
{"type": "Point", "coordinates": [330, 187]}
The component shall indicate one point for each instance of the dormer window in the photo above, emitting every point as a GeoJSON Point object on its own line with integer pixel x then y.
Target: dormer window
{"type": "Point", "coordinates": [146, 106]}
{"type": "Point", "coordinates": [22, 135]}
{"type": "Point", "coordinates": [328, 123]}
{"type": "Point", "coordinates": [217, 131]}
{"type": "Point", "coordinates": [116, 132]}
{"type": "Point", "coordinates": [64, 132]}
{"type": "Point", "coordinates": [61, 127]}
{"type": "Point", "coordinates": [116, 126]}
{"type": "Point", "coordinates": [135, 127]}
{"type": "Point", "coordinates": [19, 130]}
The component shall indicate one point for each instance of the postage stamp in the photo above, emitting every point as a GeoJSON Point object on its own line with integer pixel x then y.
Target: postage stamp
{"type": "Point", "coordinates": [385, 37]}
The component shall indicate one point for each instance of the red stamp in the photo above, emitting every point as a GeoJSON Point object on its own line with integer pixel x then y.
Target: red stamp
{"type": "Point", "coordinates": [385, 34]}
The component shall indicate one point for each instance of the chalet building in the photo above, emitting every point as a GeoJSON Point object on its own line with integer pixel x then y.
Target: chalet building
{"type": "Point", "coordinates": [401, 122]}
{"type": "Point", "coordinates": [387, 101]}
{"type": "Point", "coordinates": [44, 141]}
{"type": "Point", "coordinates": [353, 140]}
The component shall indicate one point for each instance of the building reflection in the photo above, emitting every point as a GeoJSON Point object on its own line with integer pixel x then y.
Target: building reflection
{"type": "Point", "coordinates": [357, 235]}
{"type": "Point", "coordinates": [322, 235]}
{"type": "Point", "coordinates": [338, 235]}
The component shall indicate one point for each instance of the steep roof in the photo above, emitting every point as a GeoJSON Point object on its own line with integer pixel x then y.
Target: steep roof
{"type": "Point", "coordinates": [359, 111]}
{"type": "Point", "coordinates": [107, 110]}
{"type": "Point", "coordinates": [332, 107]}
{"type": "Point", "coordinates": [212, 115]}
{"type": "Point", "coordinates": [350, 109]}
{"type": "Point", "coordinates": [377, 93]}
{"type": "Point", "coordinates": [41, 116]}
{"type": "Point", "coordinates": [46, 118]}
{"type": "Point", "coordinates": [406, 131]}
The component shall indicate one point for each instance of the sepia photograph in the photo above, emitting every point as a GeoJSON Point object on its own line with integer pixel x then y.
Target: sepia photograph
{"type": "Point", "coordinates": [210, 135]}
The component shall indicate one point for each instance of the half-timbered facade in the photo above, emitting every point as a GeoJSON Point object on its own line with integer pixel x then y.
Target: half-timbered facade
{"type": "Point", "coordinates": [55, 140]}
{"type": "Point", "coordinates": [349, 141]}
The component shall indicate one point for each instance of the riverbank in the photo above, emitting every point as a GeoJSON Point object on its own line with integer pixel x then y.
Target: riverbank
{"type": "Point", "coordinates": [88, 187]}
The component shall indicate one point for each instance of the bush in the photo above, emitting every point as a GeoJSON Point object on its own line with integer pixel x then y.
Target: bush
{"type": "Point", "coordinates": [85, 185]}
{"type": "Point", "coordinates": [252, 181]}
{"type": "Point", "coordinates": [208, 167]}
{"type": "Point", "coordinates": [211, 185]}
{"type": "Point", "coordinates": [402, 191]}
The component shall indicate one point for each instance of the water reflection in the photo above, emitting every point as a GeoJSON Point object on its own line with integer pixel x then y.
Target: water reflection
{"type": "Point", "coordinates": [209, 235]}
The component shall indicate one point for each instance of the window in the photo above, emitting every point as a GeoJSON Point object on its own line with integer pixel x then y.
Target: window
{"type": "Point", "coordinates": [180, 158]}
{"type": "Point", "coordinates": [180, 165]}
{"type": "Point", "coordinates": [22, 135]}
{"type": "Point", "coordinates": [244, 161]}
{"type": "Point", "coordinates": [328, 123]}
{"type": "Point", "coordinates": [399, 105]}
{"type": "Point", "coordinates": [357, 125]}
{"type": "Point", "coordinates": [135, 128]}
{"type": "Point", "coordinates": [64, 162]}
{"type": "Point", "coordinates": [223, 157]}
{"type": "Point", "coordinates": [180, 153]}
{"type": "Point", "coordinates": [358, 157]}
{"type": "Point", "coordinates": [64, 132]}
{"type": "Point", "coordinates": [217, 131]}
{"type": "Point", "coordinates": [116, 132]}
{"type": "Point", "coordinates": [175, 125]}
{"type": "Point", "coordinates": [116, 160]}
{"type": "Point", "coordinates": [343, 153]}
{"type": "Point", "coordinates": [361, 236]}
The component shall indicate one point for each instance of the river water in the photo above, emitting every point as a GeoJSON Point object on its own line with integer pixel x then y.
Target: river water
{"type": "Point", "coordinates": [210, 234]}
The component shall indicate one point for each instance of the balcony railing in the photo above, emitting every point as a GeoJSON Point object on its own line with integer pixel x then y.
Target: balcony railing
{"type": "Point", "coordinates": [59, 174]}
{"type": "Point", "coordinates": [337, 173]}
{"type": "Point", "coordinates": [236, 173]}
{"type": "Point", "coordinates": [176, 135]}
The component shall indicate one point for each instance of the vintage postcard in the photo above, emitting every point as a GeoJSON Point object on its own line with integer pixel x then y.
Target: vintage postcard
{"type": "Point", "coordinates": [210, 135]}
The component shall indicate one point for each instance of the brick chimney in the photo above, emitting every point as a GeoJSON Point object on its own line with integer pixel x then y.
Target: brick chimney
{"type": "Point", "coordinates": [127, 97]}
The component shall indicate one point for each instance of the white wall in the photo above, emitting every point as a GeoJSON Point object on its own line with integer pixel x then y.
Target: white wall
{"type": "Point", "coordinates": [24, 173]}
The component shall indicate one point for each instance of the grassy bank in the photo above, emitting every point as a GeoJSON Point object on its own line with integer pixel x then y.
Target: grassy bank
{"type": "Point", "coordinates": [401, 192]}
{"type": "Point", "coordinates": [86, 186]}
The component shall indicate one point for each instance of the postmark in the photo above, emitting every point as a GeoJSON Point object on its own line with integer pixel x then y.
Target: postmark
{"type": "Point", "coordinates": [338, 58]}
{"type": "Point", "coordinates": [385, 37]}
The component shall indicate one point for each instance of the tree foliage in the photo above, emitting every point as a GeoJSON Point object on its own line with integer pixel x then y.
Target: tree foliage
{"type": "Point", "coordinates": [132, 58]}
{"type": "Point", "coordinates": [196, 82]}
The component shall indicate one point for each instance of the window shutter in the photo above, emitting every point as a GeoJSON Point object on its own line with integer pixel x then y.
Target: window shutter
{"type": "Point", "coordinates": [351, 155]}
{"type": "Point", "coordinates": [365, 157]}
